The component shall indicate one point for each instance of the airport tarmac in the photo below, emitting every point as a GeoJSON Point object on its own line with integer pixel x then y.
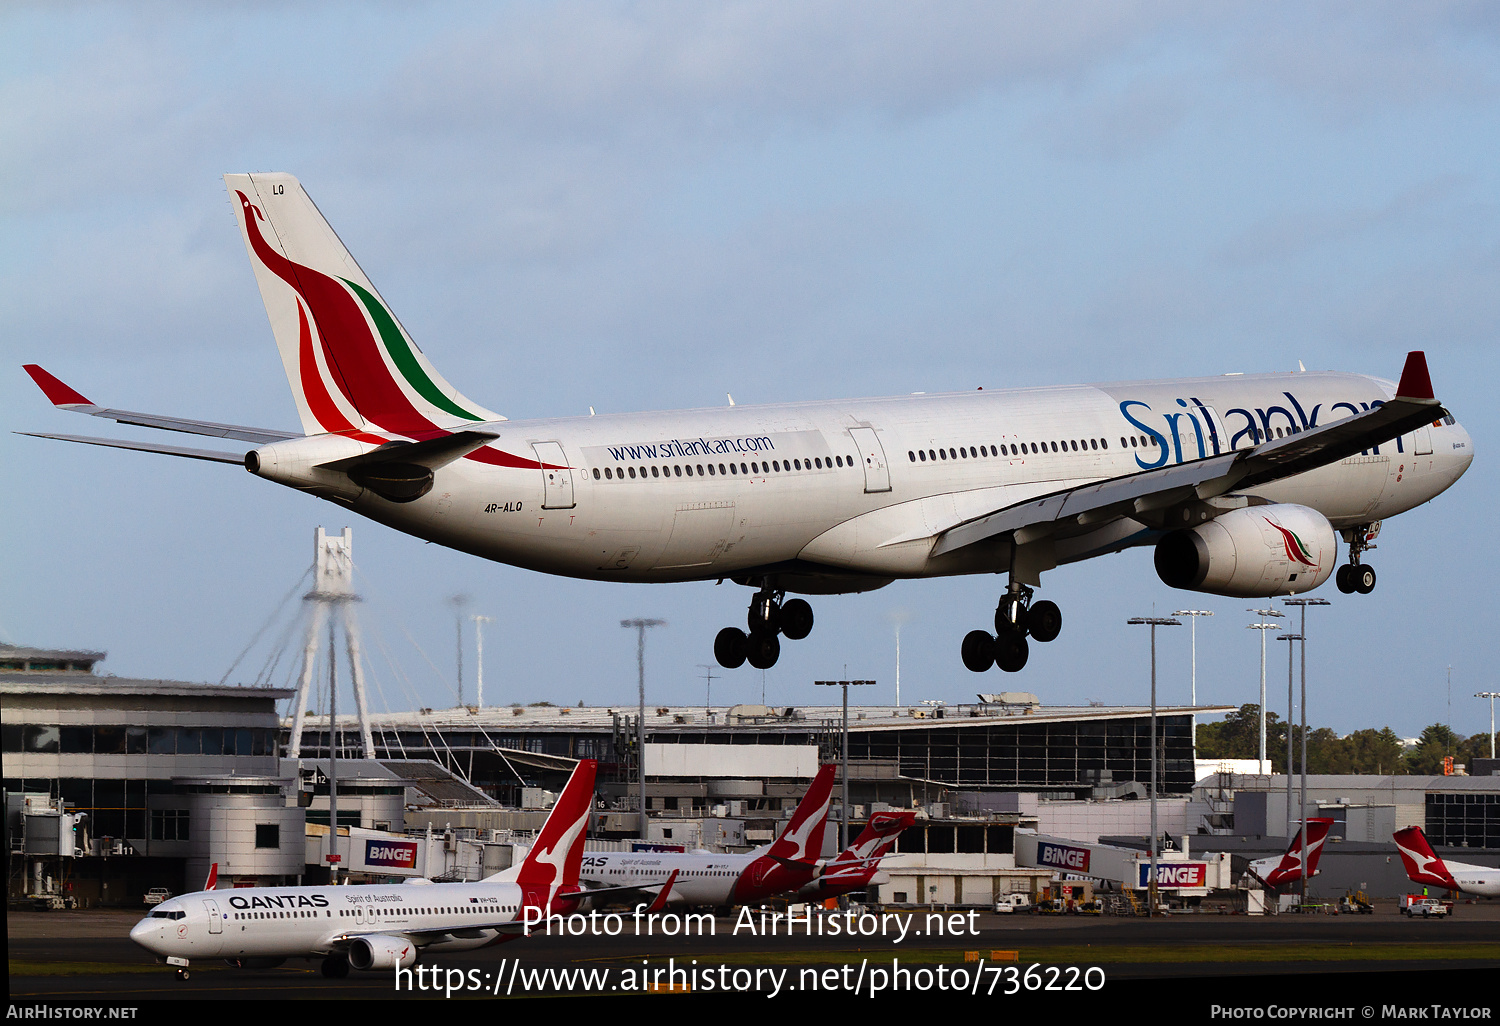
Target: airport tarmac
{"type": "Point", "coordinates": [86, 956]}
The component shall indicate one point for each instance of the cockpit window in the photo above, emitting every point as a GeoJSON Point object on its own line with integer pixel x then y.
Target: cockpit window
{"type": "Point", "coordinates": [165, 914]}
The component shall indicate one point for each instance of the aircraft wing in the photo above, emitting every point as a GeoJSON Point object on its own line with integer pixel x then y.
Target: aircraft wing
{"type": "Point", "coordinates": [66, 398]}
{"type": "Point", "coordinates": [1134, 494]}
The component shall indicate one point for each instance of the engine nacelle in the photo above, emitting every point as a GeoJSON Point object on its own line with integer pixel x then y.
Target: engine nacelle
{"type": "Point", "coordinates": [1257, 551]}
{"type": "Point", "coordinates": [381, 952]}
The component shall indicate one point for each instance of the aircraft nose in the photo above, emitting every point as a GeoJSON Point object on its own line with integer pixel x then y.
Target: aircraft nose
{"type": "Point", "coordinates": [147, 933]}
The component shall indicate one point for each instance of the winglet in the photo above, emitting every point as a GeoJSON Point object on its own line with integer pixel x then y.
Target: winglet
{"type": "Point", "coordinates": [1415, 383]}
{"type": "Point", "coordinates": [58, 394]}
{"type": "Point", "coordinates": [660, 901]}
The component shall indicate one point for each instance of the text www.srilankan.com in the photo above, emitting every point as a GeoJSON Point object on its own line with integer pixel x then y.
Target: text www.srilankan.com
{"type": "Point", "coordinates": [510, 977]}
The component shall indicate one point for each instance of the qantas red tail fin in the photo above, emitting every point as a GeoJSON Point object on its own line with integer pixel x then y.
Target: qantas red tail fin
{"type": "Point", "coordinates": [1290, 866]}
{"type": "Point", "coordinates": [1422, 863]}
{"type": "Point", "coordinates": [802, 838]}
{"type": "Point", "coordinates": [554, 860]}
{"type": "Point", "coordinates": [213, 877]}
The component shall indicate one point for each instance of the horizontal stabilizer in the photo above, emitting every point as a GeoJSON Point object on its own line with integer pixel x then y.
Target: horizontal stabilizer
{"type": "Point", "coordinates": [66, 398]}
{"type": "Point", "coordinates": [211, 455]}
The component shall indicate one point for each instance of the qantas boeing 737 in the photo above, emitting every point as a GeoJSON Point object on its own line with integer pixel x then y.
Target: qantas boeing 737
{"type": "Point", "coordinates": [1243, 483]}
{"type": "Point", "coordinates": [379, 927]}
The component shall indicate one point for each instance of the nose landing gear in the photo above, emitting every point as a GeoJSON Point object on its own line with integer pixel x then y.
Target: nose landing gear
{"type": "Point", "coordinates": [769, 616]}
{"type": "Point", "coordinates": [1015, 618]}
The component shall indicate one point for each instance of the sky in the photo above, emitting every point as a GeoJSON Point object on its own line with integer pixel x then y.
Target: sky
{"type": "Point", "coordinates": [647, 206]}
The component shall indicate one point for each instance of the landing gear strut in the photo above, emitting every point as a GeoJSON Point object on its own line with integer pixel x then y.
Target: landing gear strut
{"type": "Point", "coordinates": [1354, 575]}
{"type": "Point", "coordinates": [335, 967]}
{"type": "Point", "coordinates": [771, 613]}
{"type": "Point", "coordinates": [1015, 618]}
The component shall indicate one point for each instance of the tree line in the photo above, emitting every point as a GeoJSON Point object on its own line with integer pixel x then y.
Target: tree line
{"type": "Point", "coordinates": [1237, 736]}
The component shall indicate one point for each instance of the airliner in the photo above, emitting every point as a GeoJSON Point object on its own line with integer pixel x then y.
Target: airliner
{"type": "Point", "coordinates": [855, 867]}
{"type": "Point", "coordinates": [1287, 867]}
{"type": "Point", "coordinates": [1242, 483]}
{"type": "Point", "coordinates": [705, 878]}
{"type": "Point", "coordinates": [378, 927]}
{"type": "Point", "coordinates": [1423, 866]}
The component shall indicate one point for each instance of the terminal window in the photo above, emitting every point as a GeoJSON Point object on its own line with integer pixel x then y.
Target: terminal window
{"type": "Point", "coordinates": [169, 824]}
{"type": "Point", "coordinates": [267, 835]}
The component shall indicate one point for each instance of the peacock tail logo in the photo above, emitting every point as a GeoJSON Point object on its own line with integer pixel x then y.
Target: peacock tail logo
{"type": "Point", "coordinates": [1296, 551]}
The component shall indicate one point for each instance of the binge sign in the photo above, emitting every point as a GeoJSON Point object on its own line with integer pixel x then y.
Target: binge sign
{"type": "Point", "coordinates": [395, 854]}
{"type": "Point", "coordinates": [1062, 856]}
{"type": "Point", "coordinates": [1175, 874]}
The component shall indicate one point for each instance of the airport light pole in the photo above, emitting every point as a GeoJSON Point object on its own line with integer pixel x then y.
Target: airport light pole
{"type": "Point", "coordinates": [1153, 622]}
{"type": "Point", "coordinates": [1491, 695]}
{"type": "Point", "coordinates": [844, 756]}
{"type": "Point", "coordinates": [640, 625]}
{"type": "Point", "coordinates": [1263, 627]}
{"type": "Point", "coordinates": [1291, 721]}
{"type": "Point", "coordinates": [1303, 603]}
{"type": "Point", "coordinates": [1194, 613]}
{"type": "Point", "coordinates": [479, 622]}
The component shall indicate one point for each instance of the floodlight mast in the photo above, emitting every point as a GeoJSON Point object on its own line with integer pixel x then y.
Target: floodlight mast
{"type": "Point", "coordinates": [1263, 627]}
{"type": "Point", "coordinates": [1193, 691]}
{"type": "Point", "coordinates": [1491, 695]}
{"type": "Point", "coordinates": [844, 756]}
{"type": "Point", "coordinates": [1153, 622]}
{"type": "Point", "coordinates": [640, 626]}
{"type": "Point", "coordinates": [1303, 603]}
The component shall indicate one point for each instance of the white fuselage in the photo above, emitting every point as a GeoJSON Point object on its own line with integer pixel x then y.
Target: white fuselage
{"type": "Point", "coordinates": [289, 922]}
{"type": "Point", "coordinates": [1482, 881]}
{"type": "Point", "coordinates": [703, 879]}
{"type": "Point", "coordinates": [847, 495]}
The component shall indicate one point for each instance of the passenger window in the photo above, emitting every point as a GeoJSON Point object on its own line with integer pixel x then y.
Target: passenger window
{"type": "Point", "coordinates": [632, 473]}
{"type": "Point", "coordinates": [653, 472]}
{"type": "Point", "coordinates": [596, 473]}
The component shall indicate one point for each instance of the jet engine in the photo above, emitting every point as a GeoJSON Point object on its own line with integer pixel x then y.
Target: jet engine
{"type": "Point", "coordinates": [1277, 549]}
{"type": "Point", "coordinates": [381, 952]}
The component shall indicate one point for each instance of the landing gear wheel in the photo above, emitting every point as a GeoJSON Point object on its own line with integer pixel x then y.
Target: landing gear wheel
{"type": "Point", "coordinates": [1345, 579]}
{"type": "Point", "coordinates": [765, 614]}
{"type": "Point", "coordinates": [1010, 615]}
{"type": "Point", "coordinates": [796, 619]}
{"type": "Point", "coordinates": [978, 651]}
{"type": "Point", "coordinates": [1045, 620]}
{"type": "Point", "coordinates": [1011, 651]}
{"type": "Point", "coordinates": [763, 650]}
{"type": "Point", "coordinates": [1363, 579]}
{"type": "Point", "coordinates": [335, 967]}
{"type": "Point", "coordinates": [730, 648]}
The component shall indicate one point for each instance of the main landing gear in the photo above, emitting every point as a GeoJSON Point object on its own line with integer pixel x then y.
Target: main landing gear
{"type": "Point", "coordinates": [1354, 575]}
{"type": "Point", "coordinates": [1015, 618]}
{"type": "Point", "coordinates": [335, 967]}
{"type": "Point", "coordinates": [769, 616]}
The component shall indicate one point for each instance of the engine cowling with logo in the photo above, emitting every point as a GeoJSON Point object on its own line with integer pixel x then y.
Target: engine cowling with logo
{"type": "Point", "coordinates": [381, 952]}
{"type": "Point", "coordinates": [1276, 549]}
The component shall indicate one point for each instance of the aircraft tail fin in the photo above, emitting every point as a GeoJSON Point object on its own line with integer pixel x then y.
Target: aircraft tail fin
{"type": "Point", "coordinates": [553, 863]}
{"type": "Point", "coordinates": [1422, 863]}
{"type": "Point", "coordinates": [351, 365]}
{"type": "Point", "coordinates": [858, 862]}
{"type": "Point", "coordinates": [801, 840]}
{"type": "Point", "coordinates": [212, 882]}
